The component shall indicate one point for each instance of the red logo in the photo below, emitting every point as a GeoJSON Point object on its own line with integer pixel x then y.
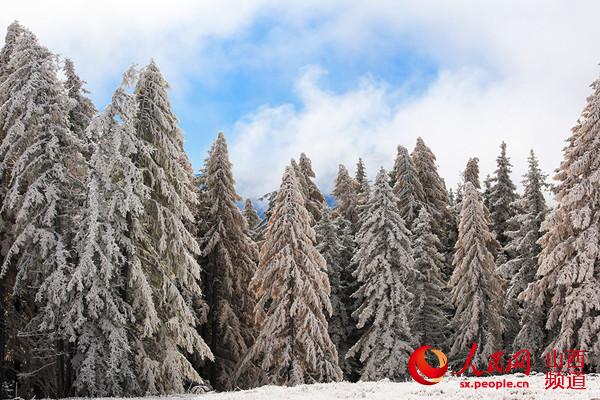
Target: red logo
{"type": "Point", "coordinates": [420, 369]}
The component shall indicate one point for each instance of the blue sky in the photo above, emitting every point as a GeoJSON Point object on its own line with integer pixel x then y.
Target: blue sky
{"type": "Point", "coordinates": [342, 79]}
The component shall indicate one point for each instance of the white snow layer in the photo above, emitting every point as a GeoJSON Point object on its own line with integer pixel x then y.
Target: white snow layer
{"type": "Point", "coordinates": [449, 388]}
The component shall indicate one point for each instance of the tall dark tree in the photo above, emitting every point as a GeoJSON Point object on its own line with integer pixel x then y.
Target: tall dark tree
{"type": "Point", "coordinates": [502, 196]}
{"type": "Point", "coordinates": [231, 258]}
{"type": "Point", "coordinates": [526, 321]}
{"type": "Point", "coordinates": [407, 187]}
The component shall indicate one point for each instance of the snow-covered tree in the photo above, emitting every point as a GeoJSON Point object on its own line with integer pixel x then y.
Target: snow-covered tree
{"type": "Point", "coordinates": [332, 239]}
{"type": "Point", "coordinates": [313, 198]}
{"type": "Point", "coordinates": [502, 195]}
{"type": "Point", "coordinates": [7, 310]}
{"type": "Point", "coordinates": [345, 192]}
{"type": "Point", "coordinates": [429, 310]}
{"type": "Point", "coordinates": [361, 174]}
{"type": "Point", "coordinates": [434, 188]}
{"type": "Point", "coordinates": [476, 288]}
{"type": "Point", "coordinates": [253, 220]}
{"type": "Point", "coordinates": [407, 187]}
{"type": "Point", "coordinates": [82, 109]}
{"type": "Point", "coordinates": [164, 275]}
{"type": "Point", "coordinates": [569, 268]}
{"type": "Point", "coordinates": [471, 172]}
{"type": "Point", "coordinates": [487, 190]}
{"type": "Point", "coordinates": [40, 157]}
{"type": "Point", "coordinates": [435, 199]}
{"type": "Point", "coordinates": [96, 314]}
{"type": "Point", "coordinates": [291, 283]}
{"type": "Point", "coordinates": [231, 258]}
{"type": "Point", "coordinates": [526, 326]}
{"type": "Point", "coordinates": [385, 268]}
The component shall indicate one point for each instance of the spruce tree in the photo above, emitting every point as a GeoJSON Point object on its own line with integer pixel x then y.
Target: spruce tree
{"type": "Point", "coordinates": [361, 174]}
{"type": "Point", "coordinates": [345, 192]}
{"type": "Point", "coordinates": [568, 275]}
{"type": "Point", "coordinates": [526, 327]}
{"type": "Point", "coordinates": [331, 237]}
{"type": "Point", "coordinates": [231, 258]}
{"type": "Point", "coordinates": [429, 320]}
{"type": "Point", "coordinates": [471, 173]}
{"type": "Point", "coordinates": [8, 312]}
{"type": "Point", "coordinates": [253, 220]}
{"type": "Point", "coordinates": [293, 345]}
{"type": "Point", "coordinates": [164, 274]}
{"type": "Point", "coordinates": [436, 196]}
{"type": "Point", "coordinates": [502, 195]}
{"type": "Point", "coordinates": [407, 187]}
{"type": "Point", "coordinates": [385, 268]}
{"type": "Point", "coordinates": [82, 109]}
{"type": "Point", "coordinates": [476, 288]}
{"type": "Point", "coordinates": [487, 191]}
{"type": "Point", "coordinates": [96, 314]}
{"type": "Point", "coordinates": [41, 160]}
{"type": "Point", "coordinates": [313, 197]}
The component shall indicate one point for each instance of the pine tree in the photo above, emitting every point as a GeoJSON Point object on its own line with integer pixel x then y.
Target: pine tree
{"type": "Point", "coordinates": [436, 196]}
{"type": "Point", "coordinates": [526, 327]}
{"type": "Point", "coordinates": [330, 235]}
{"type": "Point", "coordinates": [361, 174]}
{"type": "Point", "coordinates": [429, 310]}
{"type": "Point", "coordinates": [471, 173]}
{"type": "Point", "coordinates": [502, 195]}
{"type": "Point", "coordinates": [313, 198]}
{"type": "Point", "coordinates": [345, 192]}
{"type": "Point", "coordinates": [231, 263]}
{"type": "Point", "coordinates": [253, 220]}
{"type": "Point", "coordinates": [407, 187]}
{"type": "Point", "coordinates": [385, 267]}
{"type": "Point", "coordinates": [568, 275]}
{"type": "Point", "coordinates": [487, 190]}
{"type": "Point", "coordinates": [164, 275]}
{"type": "Point", "coordinates": [82, 109]}
{"type": "Point", "coordinates": [7, 309]}
{"type": "Point", "coordinates": [476, 288]}
{"type": "Point", "coordinates": [291, 283]}
{"type": "Point", "coordinates": [435, 199]}
{"type": "Point", "coordinates": [39, 156]}
{"type": "Point", "coordinates": [96, 315]}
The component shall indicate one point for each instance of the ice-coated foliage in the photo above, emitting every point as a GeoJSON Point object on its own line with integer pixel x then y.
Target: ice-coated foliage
{"type": "Point", "coordinates": [231, 257]}
{"type": "Point", "coordinates": [335, 244]}
{"type": "Point", "coordinates": [96, 314]}
{"type": "Point", "coordinates": [407, 187]}
{"type": "Point", "coordinates": [361, 174]}
{"type": "Point", "coordinates": [313, 198]}
{"type": "Point", "coordinates": [502, 195]}
{"type": "Point", "coordinates": [429, 309]}
{"type": "Point", "coordinates": [385, 268]}
{"type": "Point", "coordinates": [164, 275]}
{"type": "Point", "coordinates": [82, 110]}
{"type": "Point", "coordinates": [250, 214]}
{"type": "Point", "coordinates": [345, 192]}
{"type": "Point", "coordinates": [568, 276]}
{"type": "Point", "coordinates": [526, 321]}
{"type": "Point", "coordinates": [476, 289]}
{"type": "Point", "coordinates": [471, 172]}
{"type": "Point", "coordinates": [434, 188]}
{"type": "Point", "coordinates": [292, 287]}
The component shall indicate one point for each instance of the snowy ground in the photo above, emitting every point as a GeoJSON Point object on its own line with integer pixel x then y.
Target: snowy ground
{"type": "Point", "coordinates": [449, 388]}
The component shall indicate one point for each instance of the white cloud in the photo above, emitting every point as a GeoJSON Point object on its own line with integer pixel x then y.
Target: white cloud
{"type": "Point", "coordinates": [512, 71]}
